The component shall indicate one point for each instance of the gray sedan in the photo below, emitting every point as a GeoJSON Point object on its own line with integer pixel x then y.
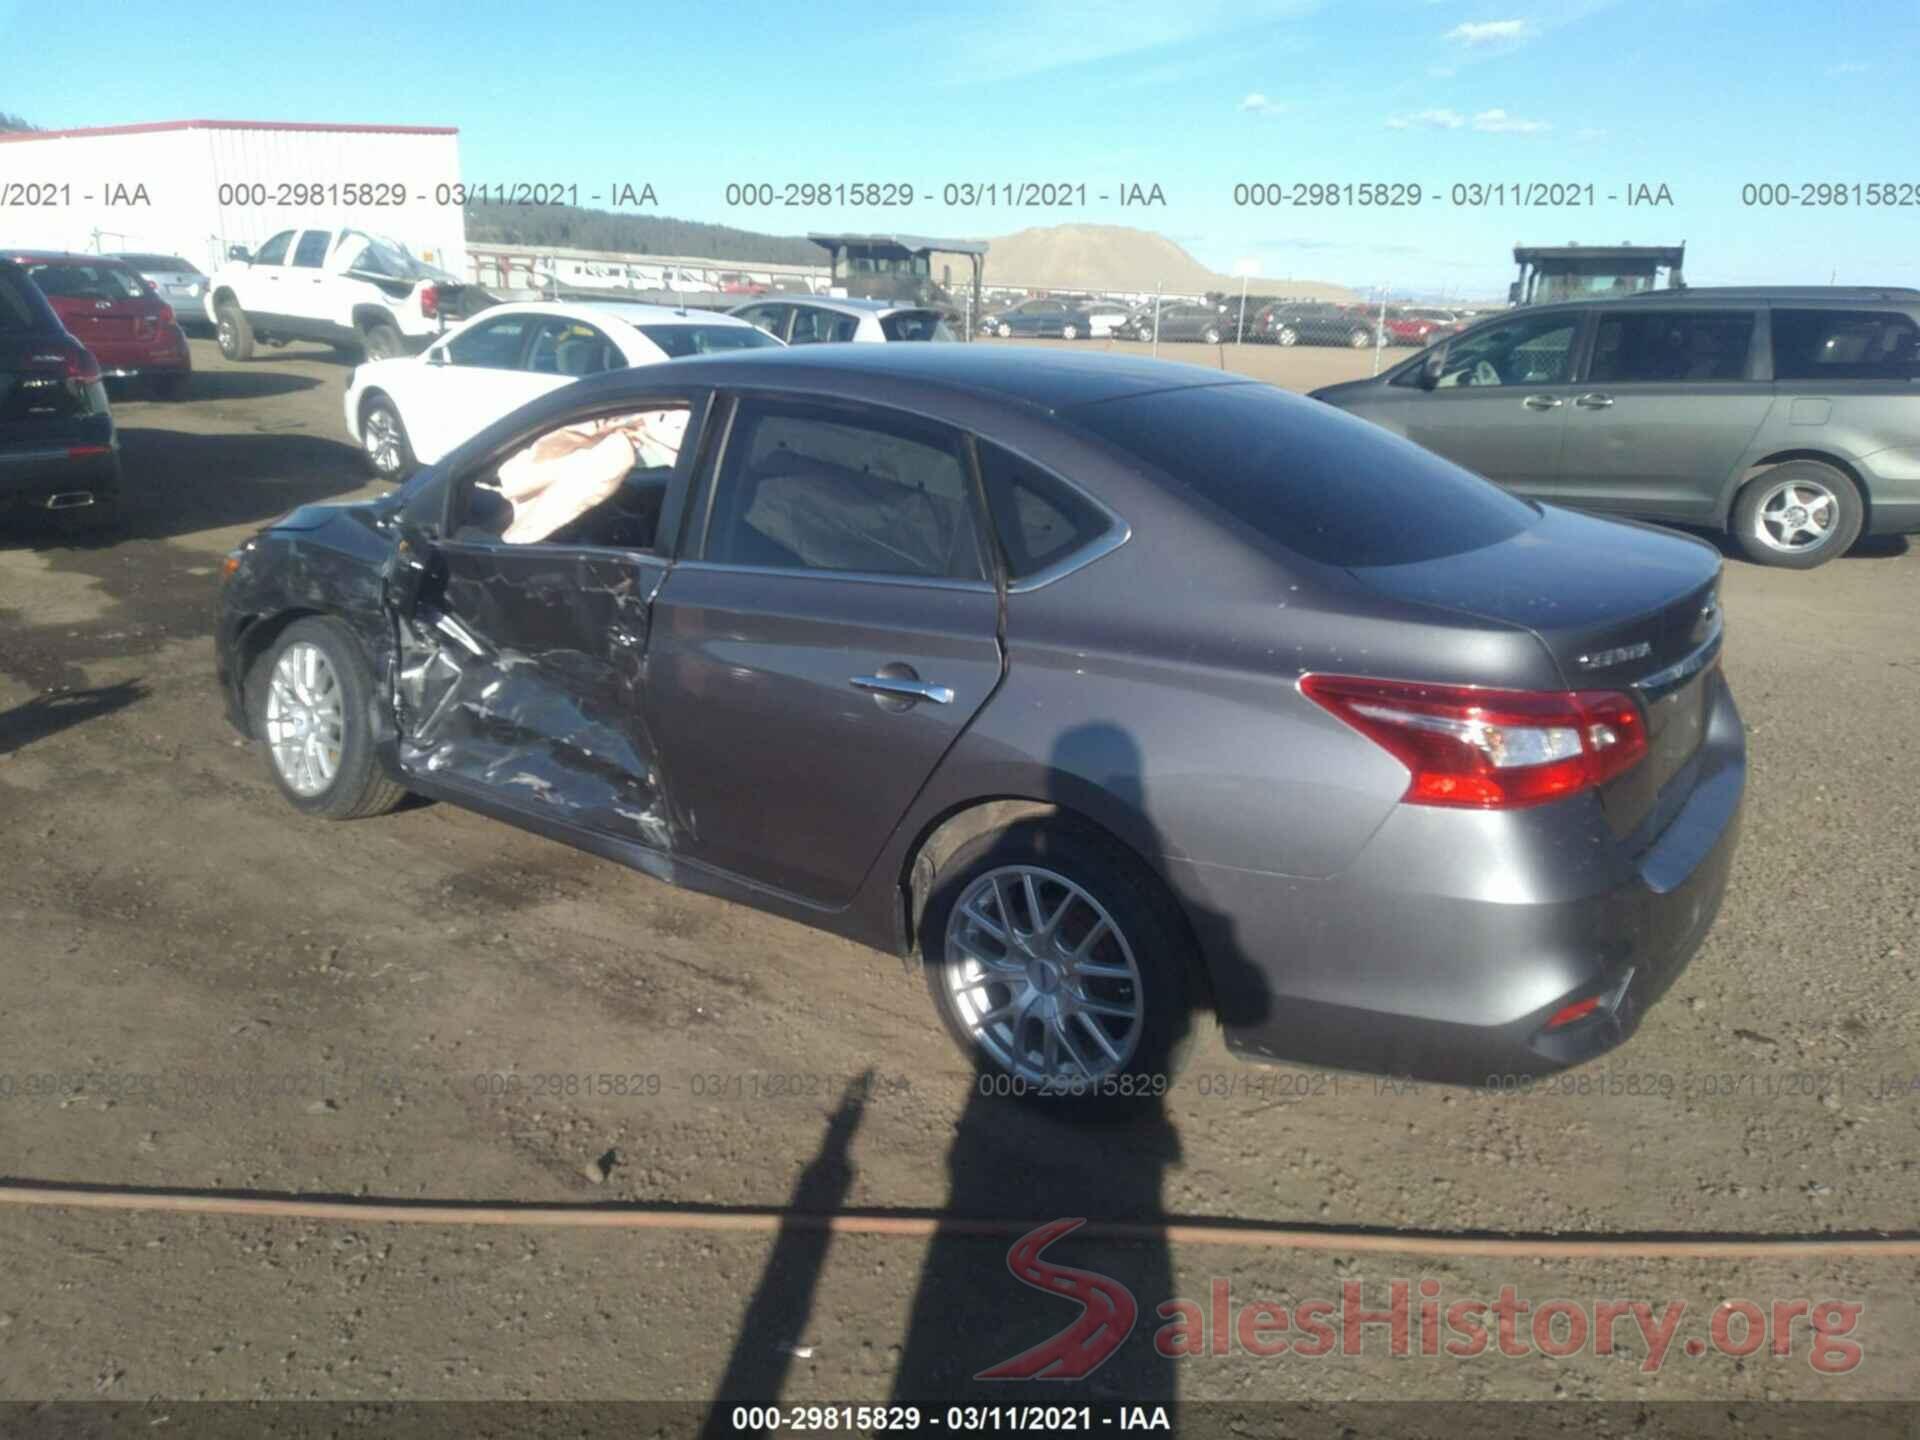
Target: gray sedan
{"type": "Point", "coordinates": [176, 281]}
{"type": "Point", "coordinates": [1110, 690]}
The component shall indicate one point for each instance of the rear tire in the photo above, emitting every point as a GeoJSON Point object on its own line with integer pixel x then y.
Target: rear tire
{"type": "Point", "coordinates": [1211, 335]}
{"type": "Point", "coordinates": [1069, 332]}
{"type": "Point", "coordinates": [1360, 340]}
{"type": "Point", "coordinates": [1798, 515]}
{"type": "Point", "coordinates": [380, 341]}
{"type": "Point", "coordinates": [1143, 957]}
{"type": "Point", "coordinates": [310, 700]}
{"type": "Point", "coordinates": [234, 332]}
{"type": "Point", "coordinates": [1286, 335]}
{"type": "Point", "coordinates": [169, 387]}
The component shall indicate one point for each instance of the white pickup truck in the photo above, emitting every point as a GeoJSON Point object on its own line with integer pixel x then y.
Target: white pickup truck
{"type": "Point", "coordinates": [359, 292]}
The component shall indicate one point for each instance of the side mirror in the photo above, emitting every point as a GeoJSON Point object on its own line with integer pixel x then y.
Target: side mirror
{"type": "Point", "coordinates": [1432, 366]}
{"type": "Point", "coordinates": [437, 355]}
{"type": "Point", "coordinates": [239, 252]}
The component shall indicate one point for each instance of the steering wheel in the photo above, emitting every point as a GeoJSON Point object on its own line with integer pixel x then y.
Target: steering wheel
{"type": "Point", "coordinates": [1485, 374]}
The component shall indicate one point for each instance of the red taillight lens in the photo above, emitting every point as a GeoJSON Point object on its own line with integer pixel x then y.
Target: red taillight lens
{"type": "Point", "coordinates": [430, 301]}
{"type": "Point", "coordinates": [166, 313]}
{"type": "Point", "coordinates": [77, 363]}
{"type": "Point", "coordinates": [1490, 749]}
{"type": "Point", "coordinates": [1578, 1010]}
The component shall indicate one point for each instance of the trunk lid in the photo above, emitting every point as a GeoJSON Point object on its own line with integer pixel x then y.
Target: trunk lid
{"type": "Point", "coordinates": [1619, 606]}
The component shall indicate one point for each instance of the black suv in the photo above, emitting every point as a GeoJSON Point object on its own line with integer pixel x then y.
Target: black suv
{"type": "Point", "coordinates": [1789, 417]}
{"type": "Point", "coordinates": [58, 450]}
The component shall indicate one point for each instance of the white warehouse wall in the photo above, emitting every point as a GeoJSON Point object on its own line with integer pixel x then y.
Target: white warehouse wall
{"type": "Point", "coordinates": [182, 168]}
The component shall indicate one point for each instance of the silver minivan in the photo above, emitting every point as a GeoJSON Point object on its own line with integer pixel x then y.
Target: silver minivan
{"type": "Point", "coordinates": [1788, 417]}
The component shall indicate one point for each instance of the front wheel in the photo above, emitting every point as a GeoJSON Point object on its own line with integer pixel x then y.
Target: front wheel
{"type": "Point", "coordinates": [234, 332]}
{"type": "Point", "coordinates": [1287, 335]}
{"type": "Point", "coordinates": [1058, 963]}
{"type": "Point", "coordinates": [1005, 332]}
{"type": "Point", "coordinates": [384, 443]}
{"type": "Point", "coordinates": [1212, 335]}
{"type": "Point", "coordinates": [1360, 340]}
{"type": "Point", "coordinates": [1069, 332]}
{"type": "Point", "coordinates": [1798, 515]}
{"type": "Point", "coordinates": [311, 697]}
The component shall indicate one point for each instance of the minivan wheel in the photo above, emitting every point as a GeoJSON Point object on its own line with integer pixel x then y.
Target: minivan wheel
{"type": "Point", "coordinates": [311, 701]}
{"type": "Point", "coordinates": [1058, 963]}
{"type": "Point", "coordinates": [1798, 515]}
{"type": "Point", "coordinates": [234, 332]}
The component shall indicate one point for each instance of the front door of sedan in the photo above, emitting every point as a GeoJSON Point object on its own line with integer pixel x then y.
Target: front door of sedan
{"type": "Point", "coordinates": [831, 633]}
{"type": "Point", "coordinates": [523, 646]}
{"type": "Point", "coordinates": [1501, 406]}
{"type": "Point", "coordinates": [1668, 407]}
{"type": "Point", "coordinates": [465, 382]}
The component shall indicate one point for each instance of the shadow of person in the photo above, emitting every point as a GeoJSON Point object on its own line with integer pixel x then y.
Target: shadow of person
{"type": "Point", "coordinates": [46, 715]}
{"type": "Point", "coordinates": [776, 1317]}
{"type": "Point", "coordinates": [1075, 1315]}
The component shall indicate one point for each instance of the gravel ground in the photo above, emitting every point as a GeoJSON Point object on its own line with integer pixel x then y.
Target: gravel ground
{"type": "Point", "coordinates": [204, 991]}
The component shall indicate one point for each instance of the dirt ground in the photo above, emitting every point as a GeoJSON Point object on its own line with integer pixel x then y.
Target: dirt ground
{"type": "Point", "coordinates": [202, 990]}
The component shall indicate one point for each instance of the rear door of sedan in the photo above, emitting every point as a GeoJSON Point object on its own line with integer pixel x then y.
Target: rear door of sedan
{"type": "Point", "coordinates": [830, 631]}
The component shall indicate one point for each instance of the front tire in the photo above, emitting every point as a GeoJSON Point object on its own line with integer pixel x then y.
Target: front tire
{"type": "Point", "coordinates": [383, 441]}
{"type": "Point", "coordinates": [169, 387]}
{"type": "Point", "coordinates": [1360, 340]}
{"type": "Point", "coordinates": [1211, 335]}
{"type": "Point", "coordinates": [1798, 515]}
{"type": "Point", "coordinates": [1069, 332]}
{"type": "Point", "coordinates": [1059, 964]}
{"type": "Point", "coordinates": [311, 702]}
{"type": "Point", "coordinates": [1287, 335]}
{"type": "Point", "coordinates": [234, 331]}
{"type": "Point", "coordinates": [1005, 332]}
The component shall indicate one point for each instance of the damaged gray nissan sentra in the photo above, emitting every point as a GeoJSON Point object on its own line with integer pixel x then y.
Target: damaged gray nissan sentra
{"type": "Point", "coordinates": [1112, 689]}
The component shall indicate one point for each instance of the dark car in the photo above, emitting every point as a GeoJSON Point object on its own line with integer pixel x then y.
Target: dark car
{"type": "Point", "coordinates": [58, 449]}
{"type": "Point", "coordinates": [1321, 323]}
{"type": "Point", "coordinates": [1041, 318]}
{"type": "Point", "coordinates": [1187, 321]}
{"type": "Point", "coordinates": [1787, 418]}
{"type": "Point", "coordinates": [1110, 688]}
{"type": "Point", "coordinates": [112, 311]}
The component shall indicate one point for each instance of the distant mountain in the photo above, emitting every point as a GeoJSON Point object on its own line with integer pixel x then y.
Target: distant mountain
{"type": "Point", "coordinates": [571, 228]}
{"type": "Point", "coordinates": [1120, 258]}
{"type": "Point", "coordinates": [10, 123]}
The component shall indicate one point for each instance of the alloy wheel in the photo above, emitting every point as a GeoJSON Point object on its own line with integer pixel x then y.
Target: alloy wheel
{"type": "Point", "coordinates": [382, 440]}
{"type": "Point", "coordinates": [305, 719]}
{"type": "Point", "coordinates": [1796, 516]}
{"type": "Point", "coordinates": [1042, 978]}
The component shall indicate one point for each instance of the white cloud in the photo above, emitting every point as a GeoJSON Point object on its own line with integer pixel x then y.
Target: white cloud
{"type": "Point", "coordinates": [1260, 105]}
{"type": "Point", "coordinates": [1428, 120]}
{"type": "Point", "coordinates": [1489, 32]}
{"type": "Point", "coordinates": [1499, 122]}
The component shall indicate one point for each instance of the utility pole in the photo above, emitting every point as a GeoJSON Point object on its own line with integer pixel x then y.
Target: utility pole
{"type": "Point", "coordinates": [1240, 332]}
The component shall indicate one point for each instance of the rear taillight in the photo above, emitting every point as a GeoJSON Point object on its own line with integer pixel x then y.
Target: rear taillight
{"type": "Point", "coordinates": [1490, 749]}
{"type": "Point", "coordinates": [166, 313]}
{"type": "Point", "coordinates": [429, 301]}
{"type": "Point", "coordinates": [72, 359]}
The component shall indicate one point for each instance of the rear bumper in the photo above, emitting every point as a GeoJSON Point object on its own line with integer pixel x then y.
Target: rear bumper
{"type": "Point", "coordinates": [1444, 950]}
{"type": "Point", "coordinates": [169, 356]}
{"type": "Point", "coordinates": [53, 477]}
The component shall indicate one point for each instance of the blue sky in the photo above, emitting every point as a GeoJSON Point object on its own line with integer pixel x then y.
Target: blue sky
{"type": "Point", "coordinates": [1192, 95]}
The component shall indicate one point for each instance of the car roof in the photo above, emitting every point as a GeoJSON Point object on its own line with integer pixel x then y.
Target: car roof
{"type": "Point", "coordinates": [65, 256]}
{"type": "Point", "coordinates": [627, 312]}
{"type": "Point", "coordinates": [1048, 379]}
{"type": "Point", "coordinates": [1779, 292]}
{"type": "Point", "coordinates": [846, 305]}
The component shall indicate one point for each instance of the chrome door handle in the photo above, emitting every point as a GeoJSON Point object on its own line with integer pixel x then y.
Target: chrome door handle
{"type": "Point", "coordinates": [1541, 402]}
{"type": "Point", "coordinates": [904, 689]}
{"type": "Point", "coordinates": [1594, 401]}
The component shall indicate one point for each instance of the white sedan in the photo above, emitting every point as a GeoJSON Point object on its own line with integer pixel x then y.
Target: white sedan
{"type": "Point", "coordinates": [412, 410]}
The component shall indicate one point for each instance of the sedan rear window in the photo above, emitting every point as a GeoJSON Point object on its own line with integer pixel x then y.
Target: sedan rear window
{"type": "Point", "coordinates": [915, 325]}
{"type": "Point", "coordinates": [680, 341]}
{"type": "Point", "coordinates": [87, 282]}
{"type": "Point", "coordinates": [1326, 485]}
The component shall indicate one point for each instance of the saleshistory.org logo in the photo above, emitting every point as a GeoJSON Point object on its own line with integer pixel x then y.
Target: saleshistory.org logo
{"type": "Point", "coordinates": [1415, 1320]}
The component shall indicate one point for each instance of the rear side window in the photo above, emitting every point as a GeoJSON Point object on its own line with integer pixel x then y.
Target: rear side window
{"type": "Point", "coordinates": [1327, 485]}
{"type": "Point", "coordinates": [812, 488]}
{"type": "Point", "coordinates": [915, 325]}
{"type": "Point", "coordinates": [18, 313]}
{"type": "Point", "coordinates": [1040, 521]}
{"type": "Point", "coordinates": [1845, 345]}
{"type": "Point", "coordinates": [680, 341]}
{"type": "Point", "coordinates": [1672, 345]}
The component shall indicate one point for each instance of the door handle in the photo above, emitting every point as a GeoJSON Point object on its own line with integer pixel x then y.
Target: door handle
{"type": "Point", "coordinates": [1594, 401]}
{"type": "Point", "coordinates": [1541, 402]}
{"type": "Point", "coordinates": [902, 688]}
